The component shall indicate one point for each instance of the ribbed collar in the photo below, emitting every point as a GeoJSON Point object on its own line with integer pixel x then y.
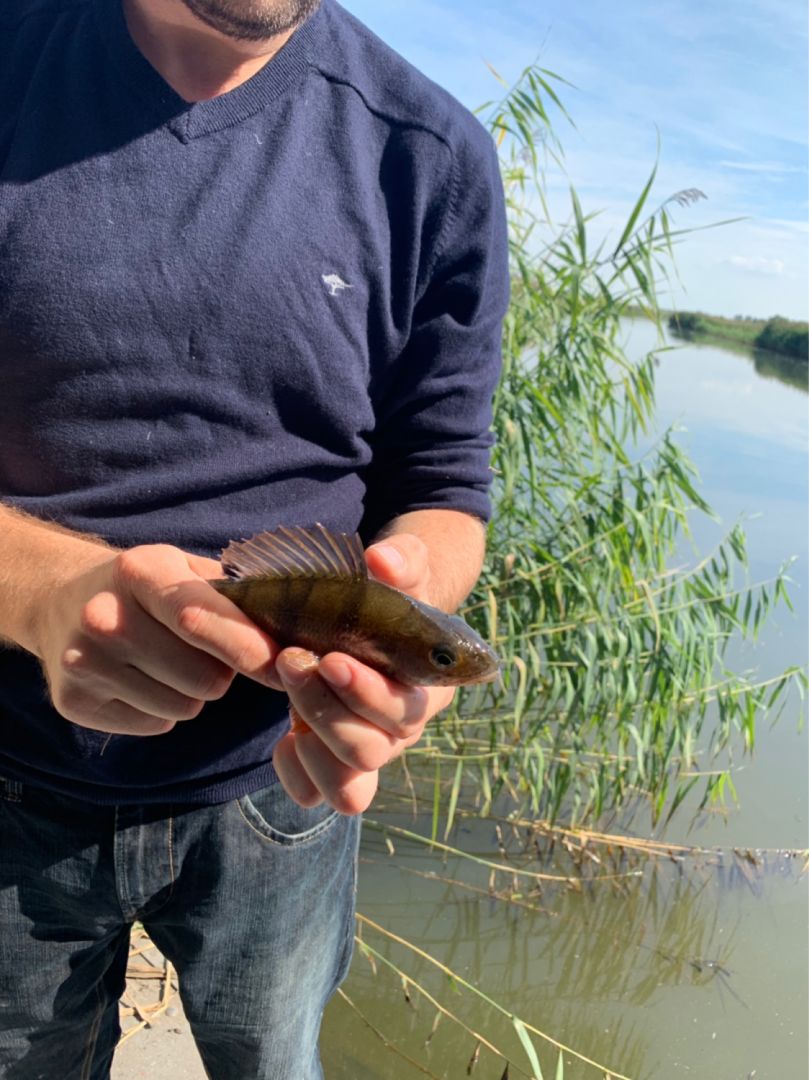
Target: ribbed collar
{"type": "Point", "coordinates": [190, 121]}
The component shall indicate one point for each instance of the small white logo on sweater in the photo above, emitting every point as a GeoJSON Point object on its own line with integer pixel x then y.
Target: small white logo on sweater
{"type": "Point", "coordinates": [334, 283]}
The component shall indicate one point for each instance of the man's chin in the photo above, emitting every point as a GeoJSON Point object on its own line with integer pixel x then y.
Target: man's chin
{"type": "Point", "coordinates": [252, 20]}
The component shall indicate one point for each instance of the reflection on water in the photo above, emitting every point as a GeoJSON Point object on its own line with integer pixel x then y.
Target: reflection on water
{"type": "Point", "coordinates": [650, 976]}
{"type": "Point", "coordinates": [769, 365]}
{"type": "Point", "coordinates": [695, 968]}
{"type": "Point", "coordinates": [591, 967]}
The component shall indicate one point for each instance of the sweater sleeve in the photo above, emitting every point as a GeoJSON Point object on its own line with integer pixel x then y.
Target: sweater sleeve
{"type": "Point", "coordinates": [433, 433]}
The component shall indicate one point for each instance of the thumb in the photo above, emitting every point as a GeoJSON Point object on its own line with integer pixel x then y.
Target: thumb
{"type": "Point", "coordinates": [401, 561]}
{"type": "Point", "coordinates": [208, 569]}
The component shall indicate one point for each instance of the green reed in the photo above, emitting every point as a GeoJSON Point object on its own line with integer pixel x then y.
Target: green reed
{"type": "Point", "coordinates": [615, 681]}
{"type": "Point", "coordinates": [615, 687]}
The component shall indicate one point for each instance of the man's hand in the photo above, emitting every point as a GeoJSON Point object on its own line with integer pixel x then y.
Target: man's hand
{"type": "Point", "coordinates": [135, 641]}
{"type": "Point", "coordinates": [357, 719]}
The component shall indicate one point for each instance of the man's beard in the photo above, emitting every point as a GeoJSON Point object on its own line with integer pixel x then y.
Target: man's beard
{"type": "Point", "coordinates": [252, 20]}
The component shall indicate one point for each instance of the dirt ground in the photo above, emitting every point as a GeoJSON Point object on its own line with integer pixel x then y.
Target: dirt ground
{"type": "Point", "coordinates": [156, 1041]}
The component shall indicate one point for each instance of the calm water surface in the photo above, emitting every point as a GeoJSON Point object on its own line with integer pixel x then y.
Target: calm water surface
{"type": "Point", "coordinates": [694, 970]}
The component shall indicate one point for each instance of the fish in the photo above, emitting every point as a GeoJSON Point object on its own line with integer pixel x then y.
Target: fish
{"type": "Point", "coordinates": [308, 586]}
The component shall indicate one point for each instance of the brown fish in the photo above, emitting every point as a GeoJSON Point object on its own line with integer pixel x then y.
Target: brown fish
{"type": "Point", "coordinates": [310, 587]}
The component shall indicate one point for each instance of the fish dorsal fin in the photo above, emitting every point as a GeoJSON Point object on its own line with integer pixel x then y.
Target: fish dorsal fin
{"type": "Point", "coordinates": [296, 552]}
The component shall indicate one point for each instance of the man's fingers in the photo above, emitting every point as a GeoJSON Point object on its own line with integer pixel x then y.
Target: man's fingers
{"type": "Point", "coordinates": [128, 635]}
{"type": "Point", "coordinates": [399, 710]}
{"type": "Point", "coordinates": [118, 718]}
{"type": "Point", "coordinates": [207, 569]}
{"type": "Point", "coordinates": [85, 691]}
{"type": "Point", "coordinates": [159, 579]}
{"type": "Point", "coordinates": [294, 778]}
{"type": "Point", "coordinates": [356, 743]}
{"type": "Point", "coordinates": [344, 788]}
{"type": "Point", "coordinates": [310, 775]}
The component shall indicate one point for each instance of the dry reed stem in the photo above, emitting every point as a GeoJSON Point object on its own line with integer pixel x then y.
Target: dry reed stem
{"type": "Point", "coordinates": [385, 1042]}
{"type": "Point", "coordinates": [369, 951]}
{"type": "Point", "coordinates": [489, 894]}
{"type": "Point", "coordinates": [146, 1014]}
{"type": "Point", "coordinates": [478, 993]}
{"type": "Point", "coordinates": [564, 879]}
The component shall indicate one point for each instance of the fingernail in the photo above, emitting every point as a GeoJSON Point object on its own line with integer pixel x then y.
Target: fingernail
{"type": "Point", "coordinates": [392, 554]}
{"type": "Point", "coordinates": [296, 667]}
{"type": "Point", "coordinates": [336, 673]}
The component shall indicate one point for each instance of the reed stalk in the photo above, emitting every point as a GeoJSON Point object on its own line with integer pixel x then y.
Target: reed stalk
{"type": "Point", "coordinates": [617, 688]}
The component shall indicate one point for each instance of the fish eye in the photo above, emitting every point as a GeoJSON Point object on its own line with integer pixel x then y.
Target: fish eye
{"type": "Point", "coordinates": [442, 656]}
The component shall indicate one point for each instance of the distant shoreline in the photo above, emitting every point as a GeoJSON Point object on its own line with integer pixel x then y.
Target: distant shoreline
{"type": "Point", "coordinates": [782, 336]}
{"type": "Point", "coordinates": [785, 337]}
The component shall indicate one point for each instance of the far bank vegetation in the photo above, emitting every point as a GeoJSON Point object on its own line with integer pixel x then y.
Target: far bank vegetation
{"type": "Point", "coordinates": [778, 335]}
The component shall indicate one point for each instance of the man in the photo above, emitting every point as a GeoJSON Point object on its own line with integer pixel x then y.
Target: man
{"type": "Point", "coordinates": [252, 273]}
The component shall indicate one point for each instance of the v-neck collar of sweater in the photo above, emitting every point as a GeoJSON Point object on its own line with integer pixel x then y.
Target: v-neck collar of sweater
{"type": "Point", "coordinates": [190, 120]}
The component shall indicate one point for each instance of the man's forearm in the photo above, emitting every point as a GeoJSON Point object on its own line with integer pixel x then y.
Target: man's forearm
{"type": "Point", "coordinates": [456, 544]}
{"type": "Point", "coordinates": [36, 556]}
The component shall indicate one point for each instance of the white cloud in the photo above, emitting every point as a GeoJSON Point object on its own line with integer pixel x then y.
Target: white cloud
{"type": "Point", "coordinates": [712, 279]}
{"type": "Point", "coordinates": [732, 122]}
{"type": "Point", "coordinates": [762, 166]}
{"type": "Point", "coordinates": [757, 264]}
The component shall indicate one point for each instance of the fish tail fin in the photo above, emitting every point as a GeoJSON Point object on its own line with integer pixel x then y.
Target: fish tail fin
{"type": "Point", "coordinates": [299, 725]}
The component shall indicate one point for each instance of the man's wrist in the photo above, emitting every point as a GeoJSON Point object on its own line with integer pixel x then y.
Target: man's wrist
{"type": "Point", "coordinates": [39, 560]}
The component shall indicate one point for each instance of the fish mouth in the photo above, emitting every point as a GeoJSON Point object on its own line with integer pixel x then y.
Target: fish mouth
{"type": "Point", "coordinates": [484, 677]}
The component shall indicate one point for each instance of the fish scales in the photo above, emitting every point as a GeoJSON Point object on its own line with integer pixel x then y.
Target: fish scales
{"type": "Point", "coordinates": [308, 611]}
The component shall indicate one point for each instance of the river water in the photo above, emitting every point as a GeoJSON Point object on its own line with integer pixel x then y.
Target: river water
{"type": "Point", "coordinates": [691, 970]}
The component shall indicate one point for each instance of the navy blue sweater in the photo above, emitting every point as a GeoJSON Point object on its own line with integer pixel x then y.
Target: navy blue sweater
{"type": "Point", "coordinates": [279, 306]}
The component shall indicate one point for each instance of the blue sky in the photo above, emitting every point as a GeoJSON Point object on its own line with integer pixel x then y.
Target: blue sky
{"type": "Point", "coordinates": [724, 82]}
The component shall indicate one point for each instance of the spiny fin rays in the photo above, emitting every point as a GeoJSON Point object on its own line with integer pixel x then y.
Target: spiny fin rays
{"type": "Point", "coordinates": [296, 551]}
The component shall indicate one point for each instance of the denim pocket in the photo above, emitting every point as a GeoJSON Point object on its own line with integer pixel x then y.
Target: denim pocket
{"type": "Point", "coordinates": [274, 816]}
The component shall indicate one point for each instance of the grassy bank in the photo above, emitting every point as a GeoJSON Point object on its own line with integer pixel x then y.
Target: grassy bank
{"type": "Point", "coordinates": [782, 336]}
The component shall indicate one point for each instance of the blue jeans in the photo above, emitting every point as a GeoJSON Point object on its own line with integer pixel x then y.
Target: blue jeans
{"type": "Point", "coordinates": [251, 900]}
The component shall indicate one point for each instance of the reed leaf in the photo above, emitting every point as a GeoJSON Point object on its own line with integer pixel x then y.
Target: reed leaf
{"type": "Point", "coordinates": [617, 690]}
